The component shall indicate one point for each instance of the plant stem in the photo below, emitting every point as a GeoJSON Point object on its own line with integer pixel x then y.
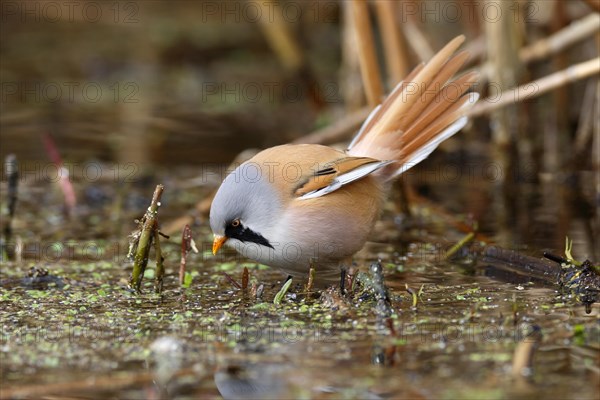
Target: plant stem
{"type": "Point", "coordinates": [149, 224]}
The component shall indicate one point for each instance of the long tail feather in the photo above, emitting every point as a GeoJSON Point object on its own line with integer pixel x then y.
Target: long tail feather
{"type": "Point", "coordinates": [421, 112]}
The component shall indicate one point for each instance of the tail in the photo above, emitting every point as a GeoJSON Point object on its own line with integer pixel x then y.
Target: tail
{"type": "Point", "coordinates": [421, 112]}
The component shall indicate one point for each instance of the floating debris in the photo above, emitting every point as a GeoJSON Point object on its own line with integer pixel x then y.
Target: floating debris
{"type": "Point", "coordinates": [582, 282]}
{"type": "Point", "coordinates": [578, 279]}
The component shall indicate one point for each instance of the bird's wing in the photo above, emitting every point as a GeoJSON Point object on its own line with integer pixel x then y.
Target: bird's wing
{"type": "Point", "coordinates": [336, 174]}
{"type": "Point", "coordinates": [425, 109]}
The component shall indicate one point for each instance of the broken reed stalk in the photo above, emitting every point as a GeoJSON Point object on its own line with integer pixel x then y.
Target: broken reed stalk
{"type": "Point", "coordinates": [577, 31]}
{"type": "Point", "coordinates": [395, 53]}
{"type": "Point", "coordinates": [245, 278]}
{"type": "Point", "coordinates": [369, 68]}
{"type": "Point", "coordinates": [279, 36]}
{"type": "Point", "coordinates": [596, 157]}
{"type": "Point", "coordinates": [537, 87]}
{"type": "Point", "coordinates": [589, 107]}
{"type": "Point", "coordinates": [149, 225]}
{"type": "Point", "coordinates": [350, 79]}
{"type": "Point", "coordinates": [311, 280]}
{"type": "Point", "coordinates": [558, 41]}
{"type": "Point", "coordinates": [397, 64]}
{"type": "Point", "coordinates": [186, 246]}
{"type": "Point", "coordinates": [11, 169]}
{"type": "Point", "coordinates": [417, 40]}
{"type": "Point", "coordinates": [503, 45]}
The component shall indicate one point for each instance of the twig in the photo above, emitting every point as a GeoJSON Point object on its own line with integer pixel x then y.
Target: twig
{"type": "Point", "coordinates": [231, 280]}
{"type": "Point", "coordinates": [530, 266]}
{"type": "Point", "coordinates": [555, 258]}
{"type": "Point", "coordinates": [186, 246]}
{"type": "Point", "coordinates": [367, 57]}
{"type": "Point", "coordinates": [148, 226]}
{"type": "Point", "coordinates": [470, 236]}
{"type": "Point", "coordinates": [573, 33]}
{"type": "Point", "coordinates": [538, 87]}
{"type": "Point", "coordinates": [558, 41]}
{"type": "Point", "coordinates": [11, 169]}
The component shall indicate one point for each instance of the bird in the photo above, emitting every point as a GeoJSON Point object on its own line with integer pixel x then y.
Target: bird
{"type": "Point", "coordinates": [297, 206]}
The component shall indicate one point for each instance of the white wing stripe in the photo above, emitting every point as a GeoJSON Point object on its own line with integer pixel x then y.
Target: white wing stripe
{"type": "Point", "coordinates": [345, 179]}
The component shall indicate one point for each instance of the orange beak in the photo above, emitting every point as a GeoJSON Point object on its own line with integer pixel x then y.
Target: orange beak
{"type": "Point", "coordinates": [218, 243]}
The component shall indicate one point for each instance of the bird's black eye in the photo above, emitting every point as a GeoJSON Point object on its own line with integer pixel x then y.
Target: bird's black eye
{"type": "Point", "coordinates": [235, 223]}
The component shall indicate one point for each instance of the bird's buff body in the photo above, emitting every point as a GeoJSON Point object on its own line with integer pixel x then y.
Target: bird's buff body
{"type": "Point", "coordinates": [294, 206]}
{"type": "Point", "coordinates": [321, 231]}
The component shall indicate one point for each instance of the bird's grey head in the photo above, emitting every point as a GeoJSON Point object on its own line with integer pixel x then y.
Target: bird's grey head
{"type": "Point", "coordinates": [245, 206]}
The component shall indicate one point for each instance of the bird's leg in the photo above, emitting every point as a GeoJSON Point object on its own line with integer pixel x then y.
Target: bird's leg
{"type": "Point", "coordinates": [342, 280]}
{"type": "Point", "coordinates": [346, 276]}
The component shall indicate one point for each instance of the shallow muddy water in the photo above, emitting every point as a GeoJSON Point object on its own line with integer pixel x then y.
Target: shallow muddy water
{"type": "Point", "coordinates": [79, 332]}
{"type": "Point", "coordinates": [179, 88]}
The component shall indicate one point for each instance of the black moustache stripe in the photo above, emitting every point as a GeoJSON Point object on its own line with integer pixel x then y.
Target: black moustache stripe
{"type": "Point", "coordinates": [244, 234]}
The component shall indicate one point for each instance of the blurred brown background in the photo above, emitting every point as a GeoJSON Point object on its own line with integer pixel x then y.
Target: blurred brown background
{"type": "Point", "coordinates": [195, 82]}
